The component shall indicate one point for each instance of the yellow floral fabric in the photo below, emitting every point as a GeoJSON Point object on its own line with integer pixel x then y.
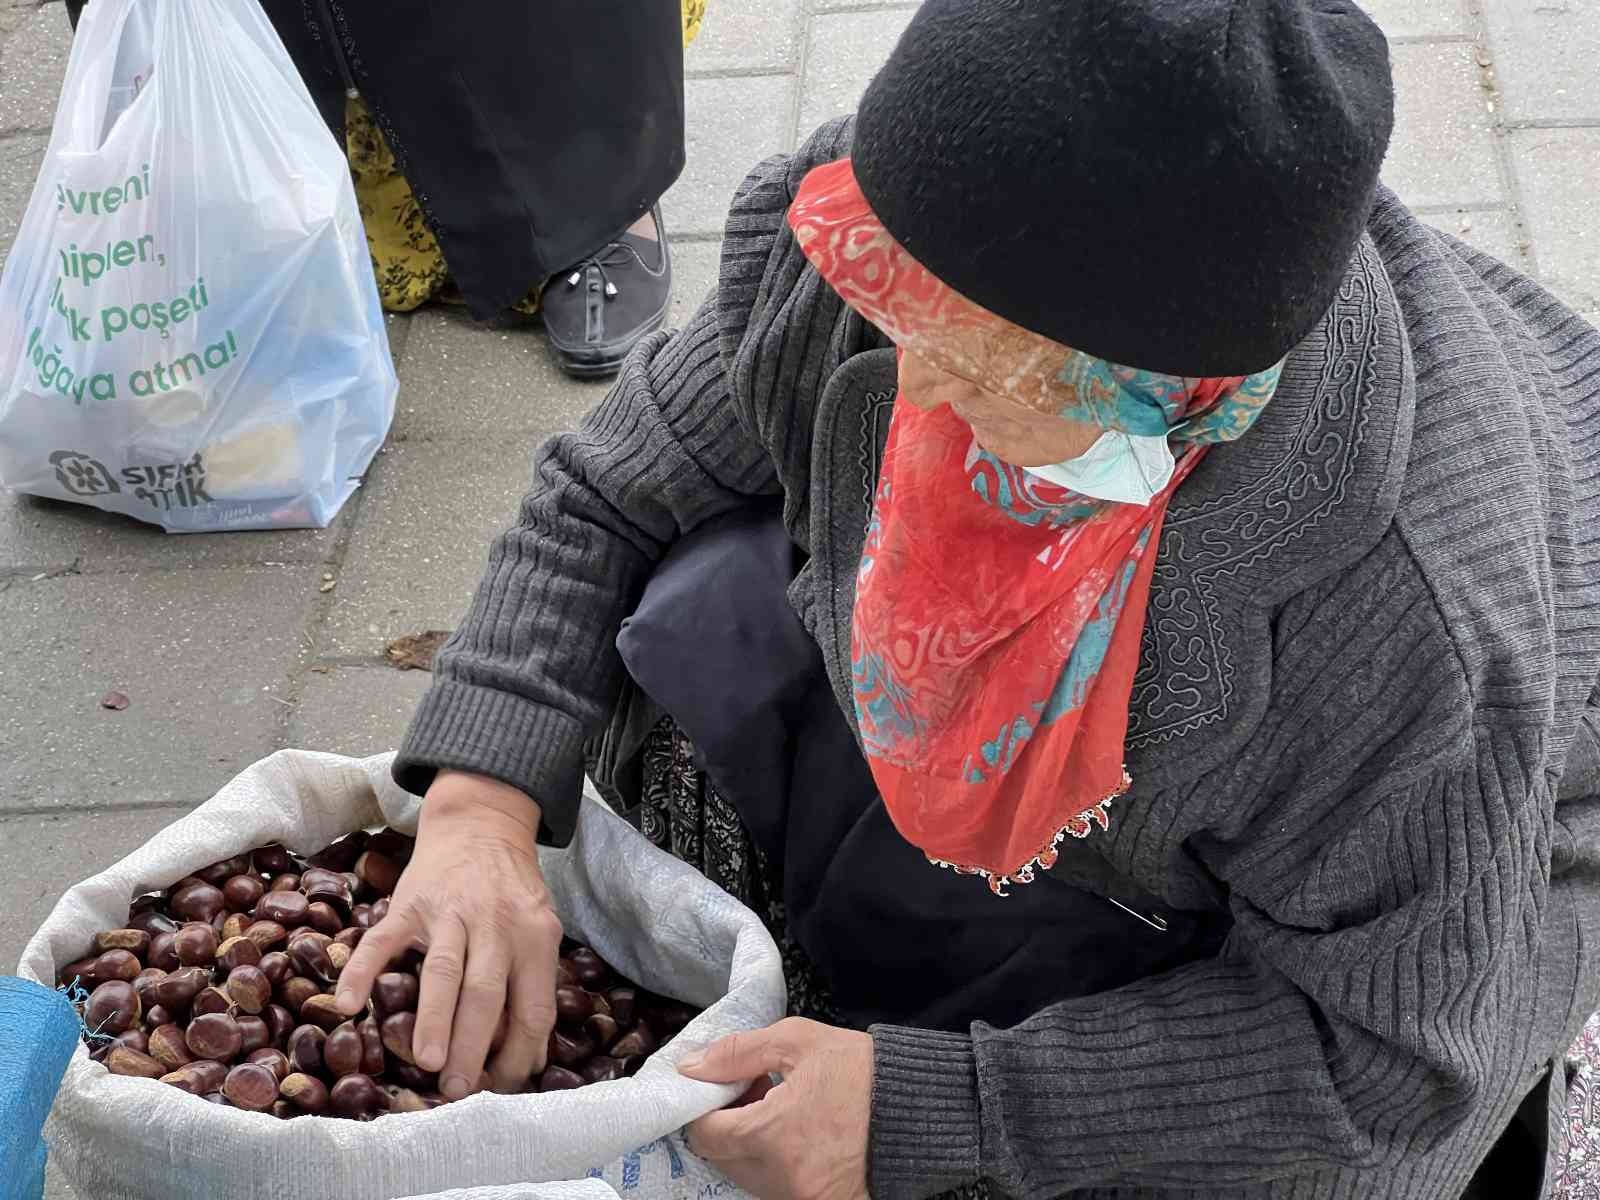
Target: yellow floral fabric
{"type": "Point", "coordinates": [406, 258]}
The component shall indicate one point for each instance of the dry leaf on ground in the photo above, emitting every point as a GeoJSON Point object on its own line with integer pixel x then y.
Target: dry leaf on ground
{"type": "Point", "coordinates": [415, 651]}
{"type": "Point", "coordinates": [114, 700]}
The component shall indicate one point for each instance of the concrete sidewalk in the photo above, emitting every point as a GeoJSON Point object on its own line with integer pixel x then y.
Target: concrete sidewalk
{"type": "Point", "coordinates": [227, 645]}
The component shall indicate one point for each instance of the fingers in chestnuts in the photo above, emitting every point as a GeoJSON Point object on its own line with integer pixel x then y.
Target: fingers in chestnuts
{"type": "Point", "coordinates": [398, 1031]}
{"type": "Point", "coordinates": [395, 991]}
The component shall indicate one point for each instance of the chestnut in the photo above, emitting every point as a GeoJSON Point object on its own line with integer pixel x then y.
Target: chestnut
{"type": "Point", "coordinates": [285, 883]}
{"type": "Point", "coordinates": [249, 988]}
{"type": "Point", "coordinates": [393, 844]}
{"type": "Point", "coordinates": [235, 925]}
{"type": "Point", "coordinates": [311, 960]}
{"type": "Point", "coordinates": [304, 1049]}
{"type": "Point", "coordinates": [271, 860]}
{"type": "Point", "coordinates": [632, 1064]}
{"type": "Point", "coordinates": [357, 1096]}
{"type": "Point", "coordinates": [198, 1078]}
{"type": "Point", "coordinates": [219, 923]}
{"type": "Point", "coordinates": [117, 964]}
{"type": "Point", "coordinates": [602, 1029]}
{"type": "Point", "coordinates": [372, 1057]}
{"type": "Point", "coordinates": [322, 917]}
{"type": "Point", "coordinates": [295, 992]}
{"type": "Point", "coordinates": [243, 892]}
{"type": "Point", "coordinates": [349, 937]}
{"type": "Point", "coordinates": [398, 1031]}
{"type": "Point", "coordinates": [559, 1079]}
{"type": "Point", "coordinates": [395, 991]}
{"type": "Point", "coordinates": [215, 1036]}
{"type": "Point", "coordinates": [145, 980]}
{"type": "Point", "coordinates": [125, 1061]}
{"type": "Point", "coordinates": [219, 873]}
{"type": "Point", "coordinates": [152, 921]}
{"type": "Point", "coordinates": [250, 1087]}
{"type": "Point", "coordinates": [378, 872]}
{"type": "Point", "coordinates": [361, 917]}
{"type": "Point", "coordinates": [276, 967]}
{"type": "Point", "coordinates": [81, 971]}
{"type": "Point", "coordinates": [674, 1018]}
{"type": "Point", "coordinates": [637, 1041]}
{"type": "Point", "coordinates": [254, 1034]}
{"type": "Point", "coordinates": [134, 1039]}
{"type": "Point", "coordinates": [181, 985]}
{"type": "Point", "coordinates": [113, 1008]}
{"type": "Point", "coordinates": [196, 945]}
{"type": "Point", "coordinates": [163, 952]}
{"type": "Point", "coordinates": [573, 1005]}
{"type": "Point", "coordinates": [314, 877]}
{"type": "Point", "coordinates": [342, 1052]}
{"type": "Point", "coordinates": [212, 1000]}
{"type": "Point", "coordinates": [135, 941]}
{"type": "Point", "coordinates": [601, 1069]}
{"type": "Point", "coordinates": [283, 1110]}
{"type": "Point", "coordinates": [378, 911]}
{"type": "Point", "coordinates": [624, 1004]}
{"type": "Point", "coordinates": [168, 1047]}
{"type": "Point", "coordinates": [569, 1050]}
{"type": "Point", "coordinates": [565, 975]}
{"type": "Point", "coordinates": [269, 935]}
{"type": "Point", "coordinates": [238, 952]}
{"type": "Point", "coordinates": [156, 1017]}
{"type": "Point", "coordinates": [280, 1022]}
{"type": "Point", "coordinates": [404, 1100]}
{"type": "Point", "coordinates": [198, 902]}
{"type": "Point", "coordinates": [415, 1078]}
{"type": "Point", "coordinates": [286, 908]}
{"type": "Point", "coordinates": [307, 1093]}
{"type": "Point", "coordinates": [272, 1059]}
{"type": "Point", "coordinates": [589, 967]}
{"type": "Point", "coordinates": [322, 1010]}
{"type": "Point", "coordinates": [339, 955]}
{"type": "Point", "coordinates": [339, 855]}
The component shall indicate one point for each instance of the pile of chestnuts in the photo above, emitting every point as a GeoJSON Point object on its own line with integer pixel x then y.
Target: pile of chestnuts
{"type": "Point", "coordinates": [222, 985]}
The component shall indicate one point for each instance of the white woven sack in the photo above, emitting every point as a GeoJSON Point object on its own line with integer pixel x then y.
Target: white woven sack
{"type": "Point", "coordinates": [657, 920]}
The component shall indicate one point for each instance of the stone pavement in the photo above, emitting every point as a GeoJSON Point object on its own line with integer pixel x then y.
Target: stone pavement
{"type": "Point", "coordinates": [228, 647]}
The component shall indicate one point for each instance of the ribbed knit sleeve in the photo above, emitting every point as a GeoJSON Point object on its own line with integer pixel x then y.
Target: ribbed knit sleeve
{"type": "Point", "coordinates": [532, 670]}
{"type": "Point", "coordinates": [1385, 873]}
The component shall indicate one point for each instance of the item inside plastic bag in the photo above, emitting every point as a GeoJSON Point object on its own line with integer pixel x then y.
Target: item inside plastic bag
{"type": "Point", "coordinates": [189, 328]}
{"type": "Point", "coordinates": [655, 919]}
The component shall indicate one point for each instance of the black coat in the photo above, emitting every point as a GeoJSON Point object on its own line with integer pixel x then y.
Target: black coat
{"type": "Point", "coordinates": [530, 133]}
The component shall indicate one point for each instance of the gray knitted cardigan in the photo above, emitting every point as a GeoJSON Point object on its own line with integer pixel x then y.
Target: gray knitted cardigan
{"type": "Point", "coordinates": [1373, 641]}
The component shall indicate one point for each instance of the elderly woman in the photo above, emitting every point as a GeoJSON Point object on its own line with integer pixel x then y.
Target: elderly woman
{"type": "Point", "coordinates": [1120, 593]}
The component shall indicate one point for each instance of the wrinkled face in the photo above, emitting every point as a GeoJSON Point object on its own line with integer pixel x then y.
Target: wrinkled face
{"type": "Point", "coordinates": [1010, 431]}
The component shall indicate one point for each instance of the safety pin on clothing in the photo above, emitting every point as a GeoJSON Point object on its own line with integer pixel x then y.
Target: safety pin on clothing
{"type": "Point", "coordinates": [1155, 920]}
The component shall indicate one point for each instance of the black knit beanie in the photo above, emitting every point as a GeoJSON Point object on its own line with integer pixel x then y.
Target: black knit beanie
{"type": "Point", "coordinates": [1174, 185]}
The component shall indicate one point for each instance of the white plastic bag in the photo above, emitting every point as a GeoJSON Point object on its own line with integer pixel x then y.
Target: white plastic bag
{"type": "Point", "coordinates": [659, 921]}
{"type": "Point", "coordinates": [189, 328]}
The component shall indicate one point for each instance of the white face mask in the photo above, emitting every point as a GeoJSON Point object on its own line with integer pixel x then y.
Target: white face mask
{"type": "Point", "coordinates": [1124, 467]}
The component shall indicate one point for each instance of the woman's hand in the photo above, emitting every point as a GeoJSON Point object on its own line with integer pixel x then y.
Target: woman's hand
{"type": "Point", "coordinates": [804, 1138]}
{"type": "Point", "coordinates": [473, 897]}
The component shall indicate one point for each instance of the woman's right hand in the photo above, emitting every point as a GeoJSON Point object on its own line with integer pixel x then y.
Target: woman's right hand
{"type": "Point", "coordinates": [473, 898]}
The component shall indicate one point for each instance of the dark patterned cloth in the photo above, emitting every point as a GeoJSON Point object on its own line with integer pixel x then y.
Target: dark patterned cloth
{"type": "Point", "coordinates": [681, 812]}
{"type": "Point", "coordinates": [1578, 1175]}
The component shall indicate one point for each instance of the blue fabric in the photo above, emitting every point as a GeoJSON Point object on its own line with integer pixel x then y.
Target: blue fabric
{"type": "Point", "coordinates": [38, 1032]}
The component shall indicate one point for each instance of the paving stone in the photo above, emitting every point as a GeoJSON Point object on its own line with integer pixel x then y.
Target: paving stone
{"type": "Point", "coordinates": [844, 52]}
{"type": "Point", "coordinates": [43, 535]}
{"type": "Point", "coordinates": [355, 710]}
{"type": "Point", "coordinates": [694, 275]}
{"type": "Point", "coordinates": [1418, 18]}
{"type": "Point", "coordinates": [1545, 58]}
{"type": "Point", "coordinates": [47, 854]}
{"type": "Point", "coordinates": [1443, 150]}
{"type": "Point", "coordinates": [423, 539]}
{"type": "Point", "coordinates": [732, 125]}
{"type": "Point", "coordinates": [20, 159]}
{"type": "Point", "coordinates": [1494, 231]}
{"type": "Point", "coordinates": [33, 62]}
{"type": "Point", "coordinates": [204, 657]}
{"type": "Point", "coordinates": [746, 35]}
{"type": "Point", "coordinates": [1558, 169]}
{"type": "Point", "coordinates": [459, 379]}
{"type": "Point", "coordinates": [56, 1186]}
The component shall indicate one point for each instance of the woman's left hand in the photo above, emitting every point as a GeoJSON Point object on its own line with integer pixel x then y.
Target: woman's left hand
{"type": "Point", "coordinates": [804, 1138]}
